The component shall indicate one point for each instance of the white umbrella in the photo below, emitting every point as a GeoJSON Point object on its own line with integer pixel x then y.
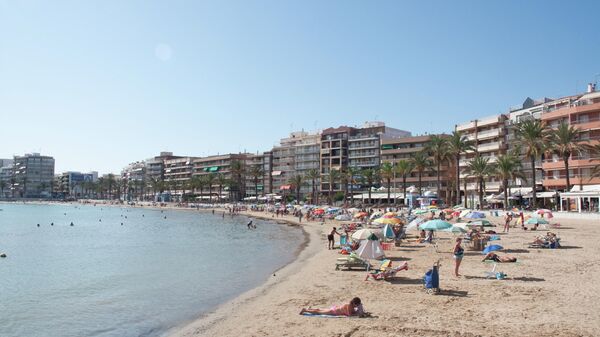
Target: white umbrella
{"type": "Point", "coordinates": [370, 249]}
{"type": "Point", "coordinates": [413, 224]}
{"type": "Point", "coordinates": [363, 234]}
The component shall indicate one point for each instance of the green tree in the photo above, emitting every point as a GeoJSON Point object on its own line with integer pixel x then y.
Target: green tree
{"type": "Point", "coordinates": [420, 161]}
{"type": "Point", "coordinates": [221, 182]}
{"type": "Point", "coordinates": [508, 168]}
{"type": "Point", "coordinates": [296, 181]}
{"type": "Point", "coordinates": [564, 141]}
{"type": "Point", "coordinates": [480, 168]}
{"type": "Point", "coordinates": [350, 175]}
{"type": "Point", "coordinates": [210, 181]}
{"type": "Point", "coordinates": [387, 173]}
{"type": "Point", "coordinates": [332, 177]}
{"type": "Point", "coordinates": [404, 168]}
{"type": "Point", "coordinates": [533, 137]}
{"type": "Point", "coordinates": [256, 173]}
{"type": "Point", "coordinates": [369, 178]}
{"type": "Point", "coordinates": [313, 175]}
{"type": "Point", "coordinates": [458, 144]}
{"type": "Point", "coordinates": [238, 173]}
{"type": "Point", "coordinates": [438, 148]}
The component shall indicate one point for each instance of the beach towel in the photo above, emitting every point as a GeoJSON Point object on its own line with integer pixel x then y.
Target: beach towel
{"type": "Point", "coordinates": [322, 315]}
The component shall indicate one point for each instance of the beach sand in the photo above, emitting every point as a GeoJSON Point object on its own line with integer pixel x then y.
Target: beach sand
{"type": "Point", "coordinates": [549, 293]}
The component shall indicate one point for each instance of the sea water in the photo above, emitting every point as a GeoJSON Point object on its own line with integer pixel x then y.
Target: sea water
{"type": "Point", "coordinates": [157, 270]}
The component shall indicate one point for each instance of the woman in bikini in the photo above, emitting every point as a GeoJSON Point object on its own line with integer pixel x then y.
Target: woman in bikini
{"type": "Point", "coordinates": [354, 308]}
{"type": "Point", "coordinates": [458, 254]}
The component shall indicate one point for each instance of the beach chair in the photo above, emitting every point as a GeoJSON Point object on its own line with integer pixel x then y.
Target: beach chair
{"type": "Point", "coordinates": [492, 273]}
{"type": "Point", "coordinates": [387, 274]}
{"type": "Point", "coordinates": [351, 262]}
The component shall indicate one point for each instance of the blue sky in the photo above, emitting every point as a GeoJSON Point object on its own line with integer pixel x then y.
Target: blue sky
{"type": "Point", "coordinates": [98, 84]}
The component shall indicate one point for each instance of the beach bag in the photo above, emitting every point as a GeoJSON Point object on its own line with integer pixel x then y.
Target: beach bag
{"type": "Point", "coordinates": [432, 279]}
{"type": "Point", "coordinates": [500, 275]}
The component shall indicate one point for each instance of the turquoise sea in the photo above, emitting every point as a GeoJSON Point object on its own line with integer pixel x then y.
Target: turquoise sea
{"type": "Point", "coordinates": [157, 271]}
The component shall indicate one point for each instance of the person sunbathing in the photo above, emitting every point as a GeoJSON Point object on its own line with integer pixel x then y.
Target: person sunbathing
{"type": "Point", "coordinates": [497, 258]}
{"type": "Point", "coordinates": [545, 240]}
{"type": "Point", "coordinates": [354, 308]}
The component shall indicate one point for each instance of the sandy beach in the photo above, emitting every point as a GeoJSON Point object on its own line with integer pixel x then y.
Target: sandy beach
{"type": "Point", "coordinates": [548, 293]}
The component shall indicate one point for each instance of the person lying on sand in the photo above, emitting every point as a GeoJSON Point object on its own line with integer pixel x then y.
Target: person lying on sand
{"type": "Point", "coordinates": [545, 240]}
{"type": "Point", "coordinates": [496, 258]}
{"type": "Point", "coordinates": [354, 308]}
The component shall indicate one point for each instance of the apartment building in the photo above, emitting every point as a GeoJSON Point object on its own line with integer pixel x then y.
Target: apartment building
{"type": "Point", "coordinates": [530, 110]}
{"type": "Point", "coordinates": [135, 179]}
{"type": "Point", "coordinates": [394, 150]}
{"type": "Point", "coordinates": [489, 136]}
{"type": "Point", "coordinates": [33, 175]}
{"type": "Point", "coordinates": [355, 147]}
{"type": "Point", "coordinates": [222, 165]}
{"type": "Point", "coordinates": [582, 112]}
{"type": "Point", "coordinates": [6, 178]}
{"type": "Point", "coordinates": [177, 172]}
{"type": "Point", "coordinates": [72, 183]}
{"type": "Point", "coordinates": [263, 161]}
{"type": "Point", "coordinates": [155, 167]}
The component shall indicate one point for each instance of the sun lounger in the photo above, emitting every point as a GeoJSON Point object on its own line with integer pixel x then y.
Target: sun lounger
{"type": "Point", "coordinates": [351, 262]}
{"type": "Point", "coordinates": [388, 273]}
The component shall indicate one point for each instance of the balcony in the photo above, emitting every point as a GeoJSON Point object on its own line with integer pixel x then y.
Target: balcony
{"type": "Point", "coordinates": [489, 121]}
{"type": "Point", "coordinates": [494, 146]}
{"type": "Point", "coordinates": [489, 134]}
{"type": "Point", "coordinates": [465, 126]}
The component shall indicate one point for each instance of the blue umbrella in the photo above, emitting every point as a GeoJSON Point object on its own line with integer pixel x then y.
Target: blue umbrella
{"type": "Point", "coordinates": [388, 232]}
{"type": "Point", "coordinates": [435, 225]}
{"type": "Point", "coordinates": [475, 215]}
{"type": "Point", "coordinates": [491, 248]}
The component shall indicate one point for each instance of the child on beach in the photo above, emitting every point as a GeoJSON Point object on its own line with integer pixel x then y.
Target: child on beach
{"type": "Point", "coordinates": [354, 308]}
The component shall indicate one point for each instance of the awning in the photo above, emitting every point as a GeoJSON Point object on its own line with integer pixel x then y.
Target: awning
{"type": "Point", "coordinates": [550, 194]}
{"type": "Point", "coordinates": [285, 187]}
{"type": "Point", "coordinates": [276, 173]}
{"type": "Point", "coordinates": [585, 188]}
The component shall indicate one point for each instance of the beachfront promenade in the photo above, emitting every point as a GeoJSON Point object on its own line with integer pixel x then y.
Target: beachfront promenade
{"type": "Point", "coordinates": [550, 292]}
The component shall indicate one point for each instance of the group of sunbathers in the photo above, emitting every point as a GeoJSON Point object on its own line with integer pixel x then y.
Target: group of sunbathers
{"type": "Point", "coordinates": [549, 240]}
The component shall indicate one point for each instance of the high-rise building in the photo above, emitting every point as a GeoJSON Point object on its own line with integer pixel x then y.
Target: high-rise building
{"type": "Point", "coordinates": [6, 177]}
{"type": "Point", "coordinates": [489, 137]}
{"type": "Point", "coordinates": [72, 183]}
{"type": "Point", "coordinates": [33, 175]}
{"type": "Point", "coordinates": [226, 165]}
{"type": "Point", "coordinates": [583, 113]}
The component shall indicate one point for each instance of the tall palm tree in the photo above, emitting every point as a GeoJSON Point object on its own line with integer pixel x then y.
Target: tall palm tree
{"type": "Point", "coordinates": [457, 145]}
{"type": "Point", "coordinates": [369, 178]}
{"type": "Point", "coordinates": [296, 182]}
{"type": "Point", "coordinates": [480, 168]}
{"type": "Point", "coordinates": [438, 148]}
{"type": "Point", "coordinates": [508, 168]}
{"type": "Point", "coordinates": [350, 173]}
{"type": "Point", "coordinates": [238, 174]}
{"type": "Point", "coordinates": [110, 182]}
{"type": "Point", "coordinates": [256, 173]}
{"type": "Point", "coordinates": [420, 161]}
{"type": "Point", "coordinates": [313, 175]}
{"type": "Point", "coordinates": [404, 168]}
{"type": "Point", "coordinates": [210, 180]}
{"type": "Point", "coordinates": [333, 177]}
{"type": "Point", "coordinates": [564, 141]}
{"type": "Point", "coordinates": [533, 136]}
{"type": "Point", "coordinates": [387, 173]}
{"type": "Point", "coordinates": [221, 181]}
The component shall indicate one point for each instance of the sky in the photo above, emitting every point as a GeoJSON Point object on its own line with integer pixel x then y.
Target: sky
{"type": "Point", "coordinates": [100, 84]}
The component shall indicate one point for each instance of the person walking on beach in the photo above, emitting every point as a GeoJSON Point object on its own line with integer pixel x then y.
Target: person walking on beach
{"type": "Point", "coordinates": [249, 224]}
{"type": "Point", "coordinates": [330, 237]}
{"type": "Point", "coordinates": [458, 254]}
{"type": "Point", "coordinates": [507, 220]}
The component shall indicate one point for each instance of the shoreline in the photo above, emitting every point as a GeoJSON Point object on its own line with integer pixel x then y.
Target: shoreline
{"type": "Point", "coordinates": [308, 249]}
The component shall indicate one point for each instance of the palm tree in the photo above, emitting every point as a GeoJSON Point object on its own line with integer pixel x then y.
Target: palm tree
{"type": "Point", "coordinates": [296, 182]}
{"type": "Point", "coordinates": [256, 173]}
{"type": "Point", "coordinates": [404, 168]}
{"type": "Point", "coordinates": [313, 175]}
{"type": "Point", "coordinates": [350, 173]}
{"type": "Point", "coordinates": [210, 180]}
{"type": "Point", "coordinates": [238, 172]}
{"type": "Point", "coordinates": [420, 161]}
{"type": "Point", "coordinates": [508, 168]}
{"type": "Point", "coordinates": [457, 145]}
{"type": "Point", "coordinates": [198, 182]}
{"type": "Point", "coordinates": [438, 148]}
{"type": "Point", "coordinates": [110, 182]}
{"type": "Point", "coordinates": [369, 177]}
{"type": "Point", "coordinates": [221, 181]}
{"type": "Point", "coordinates": [565, 142]}
{"type": "Point", "coordinates": [480, 168]}
{"type": "Point", "coordinates": [387, 173]}
{"type": "Point", "coordinates": [333, 176]}
{"type": "Point", "coordinates": [533, 136]}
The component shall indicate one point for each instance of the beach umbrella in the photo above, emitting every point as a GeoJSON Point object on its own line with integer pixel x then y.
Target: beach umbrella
{"type": "Point", "coordinates": [544, 213]}
{"type": "Point", "coordinates": [435, 225]}
{"type": "Point", "coordinates": [388, 221]}
{"type": "Point", "coordinates": [421, 211]}
{"type": "Point", "coordinates": [456, 229]}
{"type": "Point", "coordinates": [344, 217]}
{"type": "Point", "coordinates": [363, 234]}
{"type": "Point", "coordinates": [413, 224]}
{"type": "Point", "coordinates": [458, 208]}
{"type": "Point", "coordinates": [480, 223]}
{"type": "Point", "coordinates": [491, 248]}
{"type": "Point", "coordinates": [475, 215]}
{"type": "Point", "coordinates": [536, 221]}
{"type": "Point", "coordinates": [463, 213]}
{"type": "Point", "coordinates": [388, 232]}
{"type": "Point", "coordinates": [390, 214]}
{"type": "Point", "coordinates": [370, 248]}
{"type": "Point", "coordinates": [449, 210]}
{"type": "Point", "coordinates": [360, 215]}
{"type": "Point", "coordinates": [319, 211]}
{"type": "Point", "coordinates": [375, 215]}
